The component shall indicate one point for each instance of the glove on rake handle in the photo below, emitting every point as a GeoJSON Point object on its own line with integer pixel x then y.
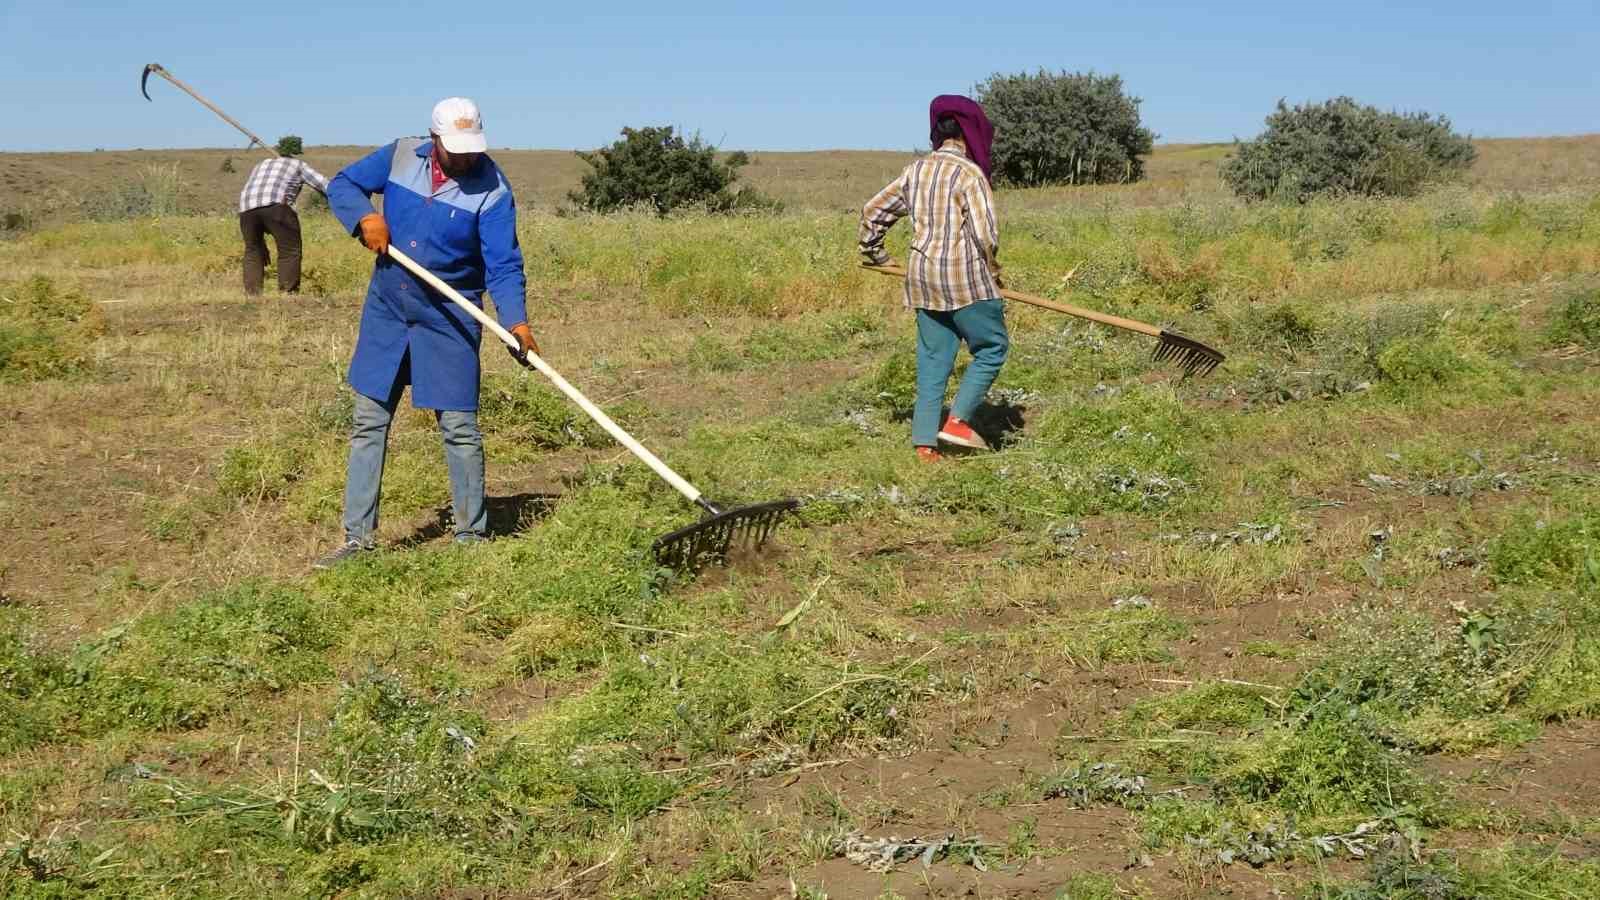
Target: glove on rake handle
{"type": "Point", "coordinates": [686, 548]}
{"type": "Point", "coordinates": [1194, 357]}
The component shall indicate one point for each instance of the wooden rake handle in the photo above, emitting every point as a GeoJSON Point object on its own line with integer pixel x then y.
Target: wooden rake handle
{"type": "Point", "coordinates": [678, 482]}
{"type": "Point", "coordinates": [1032, 300]}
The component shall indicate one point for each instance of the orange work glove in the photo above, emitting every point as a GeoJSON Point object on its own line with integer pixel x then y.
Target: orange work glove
{"type": "Point", "coordinates": [524, 336]}
{"type": "Point", "coordinates": [374, 232]}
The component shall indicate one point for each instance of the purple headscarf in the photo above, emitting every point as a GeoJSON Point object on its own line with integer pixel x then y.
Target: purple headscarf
{"type": "Point", "coordinates": [975, 127]}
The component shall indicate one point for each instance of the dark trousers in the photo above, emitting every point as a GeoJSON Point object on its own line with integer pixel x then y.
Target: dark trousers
{"type": "Point", "coordinates": [281, 220]}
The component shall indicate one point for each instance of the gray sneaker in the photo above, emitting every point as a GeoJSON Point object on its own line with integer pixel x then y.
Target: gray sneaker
{"type": "Point", "coordinates": [342, 553]}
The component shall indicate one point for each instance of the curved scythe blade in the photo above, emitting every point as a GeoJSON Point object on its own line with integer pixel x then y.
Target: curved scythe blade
{"type": "Point", "coordinates": [144, 80]}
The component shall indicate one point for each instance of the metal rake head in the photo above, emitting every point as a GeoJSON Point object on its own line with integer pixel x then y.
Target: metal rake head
{"type": "Point", "coordinates": [708, 540]}
{"type": "Point", "coordinates": [1192, 356]}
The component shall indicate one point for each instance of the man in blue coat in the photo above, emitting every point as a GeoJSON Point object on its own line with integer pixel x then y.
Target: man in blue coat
{"type": "Point", "coordinates": [446, 204]}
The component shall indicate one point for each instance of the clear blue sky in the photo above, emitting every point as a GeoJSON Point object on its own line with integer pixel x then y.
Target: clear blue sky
{"type": "Point", "coordinates": [765, 75]}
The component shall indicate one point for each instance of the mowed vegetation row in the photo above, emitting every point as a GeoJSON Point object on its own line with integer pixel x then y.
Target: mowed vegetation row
{"type": "Point", "coordinates": [1396, 461]}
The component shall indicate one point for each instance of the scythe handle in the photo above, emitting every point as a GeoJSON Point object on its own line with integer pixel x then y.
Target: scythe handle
{"type": "Point", "coordinates": [594, 412]}
{"type": "Point", "coordinates": [159, 70]}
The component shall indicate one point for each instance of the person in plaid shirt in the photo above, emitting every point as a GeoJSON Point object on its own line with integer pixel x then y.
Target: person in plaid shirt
{"type": "Point", "coordinates": [952, 274]}
{"type": "Point", "coordinates": [267, 205]}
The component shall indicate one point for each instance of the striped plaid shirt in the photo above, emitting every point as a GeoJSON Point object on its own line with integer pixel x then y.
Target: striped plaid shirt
{"type": "Point", "coordinates": [278, 180]}
{"type": "Point", "coordinates": [956, 239]}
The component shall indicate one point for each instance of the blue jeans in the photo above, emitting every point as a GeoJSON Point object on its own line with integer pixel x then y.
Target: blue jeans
{"type": "Point", "coordinates": [369, 441]}
{"type": "Point", "coordinates": [939, 335]}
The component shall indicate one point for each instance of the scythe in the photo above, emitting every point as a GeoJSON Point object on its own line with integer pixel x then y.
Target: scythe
{"type": "Point", "coordinates": [144, 88]}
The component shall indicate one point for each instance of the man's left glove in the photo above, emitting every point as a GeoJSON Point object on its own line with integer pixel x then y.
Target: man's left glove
{"type": "Point", "coordinates": [374, 232]}
{"type": "Point", "coordinates": [524, 336]}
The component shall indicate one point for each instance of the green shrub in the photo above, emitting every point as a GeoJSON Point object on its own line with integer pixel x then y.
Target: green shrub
{"type": "Point", "coordinates": [1577, 320]}
{"type": "Point", "coordinates": [313, 201]}
{"type": "Point", "coordinates": [654, 166]}
{"type": "Point", "coordinates": [894, 385]}
{"type": "Point", "coordinates": [1342, 147]}
{"type": "Point", "coordinates": [1089, 886]}
{"type": "Point", "coordinates": [290, 145]}
{"type": "Point", "coordinates": [1064, 128]}
{"type": "Point", "coordinates": [1559, 553]}
{"type": "Point", "coordinates": [621, 790]}
{"type": "Point", "coordinates": [1418, 362]}
{"type": "Point", "coordinates": [1286, 327]}
{"type": "Point", "coordinates": [1353, 344]}
{"type": "Point", "coordinates": [46, 332]}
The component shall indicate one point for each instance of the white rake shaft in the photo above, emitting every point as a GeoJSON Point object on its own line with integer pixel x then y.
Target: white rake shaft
{"type": "Point", "coordinates": [594, 412]}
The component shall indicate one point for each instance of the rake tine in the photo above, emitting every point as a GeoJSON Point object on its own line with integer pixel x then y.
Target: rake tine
{"type": "Point", "coordinates": [710, 539]}
{"type": "Point", "coordinates": [1196, 359]}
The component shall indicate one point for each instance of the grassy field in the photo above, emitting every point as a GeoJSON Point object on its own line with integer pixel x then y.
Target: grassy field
{"type": "Point", "coordinates": [1321, 625]}
{"type": "Point", "coordinates": [43, 189]}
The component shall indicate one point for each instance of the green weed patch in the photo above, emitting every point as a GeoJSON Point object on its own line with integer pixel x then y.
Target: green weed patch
{"type": "Point", "coordinates": [46, 331]}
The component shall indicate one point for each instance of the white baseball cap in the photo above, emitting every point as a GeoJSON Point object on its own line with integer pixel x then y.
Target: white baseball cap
{"type": "Point", "coordinates": [459, 125]}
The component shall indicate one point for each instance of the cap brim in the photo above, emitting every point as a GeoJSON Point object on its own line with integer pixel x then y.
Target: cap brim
{"type": "Point", "coordinates": [464, 143]}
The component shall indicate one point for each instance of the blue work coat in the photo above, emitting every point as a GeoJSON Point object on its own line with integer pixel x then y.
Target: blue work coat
{"type": "Point", "coordinates": [465, 233]}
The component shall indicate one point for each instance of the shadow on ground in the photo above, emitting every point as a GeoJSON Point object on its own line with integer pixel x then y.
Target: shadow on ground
{"type": "Point", "coordinates": [1000, 425]}
{"type": "Point", "coordinates": [507, 516]}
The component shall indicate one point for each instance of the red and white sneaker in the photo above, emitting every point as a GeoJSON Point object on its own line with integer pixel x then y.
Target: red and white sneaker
{"type": "Point", "coordinates": [929, 454]}
{"type": "Point", "coordinates": [955, 431]}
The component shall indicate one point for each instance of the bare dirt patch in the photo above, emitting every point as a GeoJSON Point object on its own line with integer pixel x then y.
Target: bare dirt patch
{"type": "Point", "coordinates": [1555, 776]}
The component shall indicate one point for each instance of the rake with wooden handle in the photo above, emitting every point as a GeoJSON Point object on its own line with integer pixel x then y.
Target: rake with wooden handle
{"type": "Point", "coordinates": [1192, 356]}
{"type": "Point", "coordinates": [691, 546]}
